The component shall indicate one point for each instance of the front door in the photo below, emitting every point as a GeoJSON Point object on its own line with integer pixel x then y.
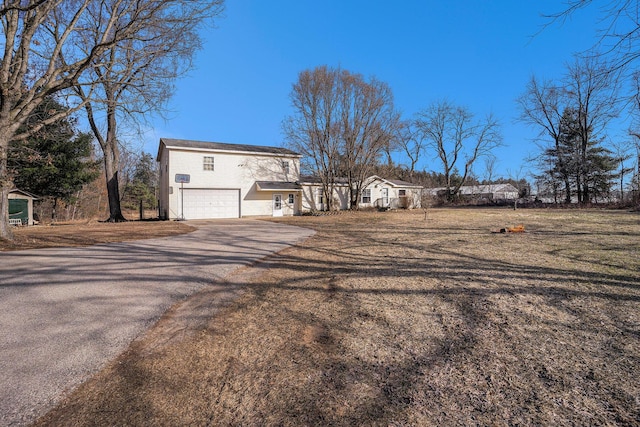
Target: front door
{"type": "Point", "coordinates": [277, 205]}
{"type": "Point", "coordinates": [384, 193]}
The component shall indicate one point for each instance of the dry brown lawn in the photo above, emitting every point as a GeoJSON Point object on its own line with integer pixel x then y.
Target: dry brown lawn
{"type": "Point", "coordinates": [390, 319]}
{"type": "Point", "coordinates": [89, 233]}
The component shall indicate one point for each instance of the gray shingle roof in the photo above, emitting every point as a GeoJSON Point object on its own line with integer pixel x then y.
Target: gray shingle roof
{"type": "Point", "coordinates": [277, 185]}
{"type": "Point", "coordinates": [401, 183]}
{"type": "Point", "coordinates": [312, 179]}
{"type": "Point", "coordinates": [186, 143]}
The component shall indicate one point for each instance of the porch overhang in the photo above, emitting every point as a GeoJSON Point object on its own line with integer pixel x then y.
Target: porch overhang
{"type": "Point", "coordinates": [277, 186]}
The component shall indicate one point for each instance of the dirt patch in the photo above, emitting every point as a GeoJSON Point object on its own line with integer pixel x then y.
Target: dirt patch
{"type": "Point", "coordinates": [391, 319]}
{"type": "Point", "coordinates": [90, 233]}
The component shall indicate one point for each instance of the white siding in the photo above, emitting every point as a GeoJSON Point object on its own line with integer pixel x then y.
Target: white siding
{"type": "Point", "coordinates": [238, 171]}
{"type": "Point", "coordinates": [310, 197]}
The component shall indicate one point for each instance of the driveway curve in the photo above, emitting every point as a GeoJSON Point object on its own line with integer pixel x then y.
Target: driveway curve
{"type": "Point", "coordinates": [65, 312]}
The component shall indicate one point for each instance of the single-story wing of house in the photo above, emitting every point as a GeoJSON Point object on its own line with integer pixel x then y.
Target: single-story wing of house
{"type": "Point", "coordinates": [21, 207]}
{"type": "Point", "coordinates": [202, 180]}
{"type": "Point", "coordinates": [314, 199]}
{"type": "Point", "coordinates": [390, 193]}
{"type": "Point", "coordinates": [376, 192]}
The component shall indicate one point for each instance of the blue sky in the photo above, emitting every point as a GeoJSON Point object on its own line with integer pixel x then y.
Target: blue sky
{"type": "Point", "coordinates": [475, 53]}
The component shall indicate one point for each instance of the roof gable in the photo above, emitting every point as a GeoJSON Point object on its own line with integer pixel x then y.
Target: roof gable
{"type": "Point", "coordinates": [392, 182]}
{"type": "Point", "coordinates": [24, 193]}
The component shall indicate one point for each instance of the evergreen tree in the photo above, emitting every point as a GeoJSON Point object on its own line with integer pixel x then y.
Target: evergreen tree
{"type": "Point", "coordinates": [579, 161]}
{"type": "Point", "coordinates": [55, 162]}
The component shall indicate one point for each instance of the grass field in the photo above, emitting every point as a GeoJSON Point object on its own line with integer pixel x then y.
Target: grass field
{"type": "Point", "coordinates": [402, 318]}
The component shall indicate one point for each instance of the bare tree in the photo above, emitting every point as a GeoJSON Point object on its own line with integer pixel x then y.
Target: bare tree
{"type": "Point", "coordinates": [455, 136]}
{"type": "Point", "coordinates": [136, 76]}
{"type": "Point", "coordinates": [412, 143]}
{"type": "Point", "coordinates": [622, 153]}
{"type": "Point", "coordinates": [36, 36]}
{"type": "Point", "coordinates": [368, 124]}
{"type": "Point", "coordinates": [313, 130]}
{"type": "Point", "coordinates": [341, 124]}
{"type": "Point", "coordinates": [542, 106]}
{"type": "Point", "coordinates": [619, 31]}
{"type": "Point", "coordinates": [592, 90]}
{"type": "Point", "coordinates": [572, 116]}
{"type": "Point", "coordinates": [489, 168]}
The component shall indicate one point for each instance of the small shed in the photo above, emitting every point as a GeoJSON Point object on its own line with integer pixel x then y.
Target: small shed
{"type": "Point", "coordinates": [21, 207]}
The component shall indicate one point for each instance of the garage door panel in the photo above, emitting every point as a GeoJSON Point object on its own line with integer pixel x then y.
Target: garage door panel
{"type": "Point", "coordinates": [211, 203]}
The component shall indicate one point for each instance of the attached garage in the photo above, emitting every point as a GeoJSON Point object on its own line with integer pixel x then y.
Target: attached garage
{"type": "Point", "coordinates": [208, 203]}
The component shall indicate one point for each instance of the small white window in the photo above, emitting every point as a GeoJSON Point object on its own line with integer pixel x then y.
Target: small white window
{"type": "Point", "coordinates": [319, 196]}
{"type": "Point", "coordinates": [366, 195]}
{"type": "Point", "coordinates": [208, 163]}
{"type": "Point", "coordinates": [285, 166]}
{"type": "Point", "coordinates": [402, 193]}
{"type": "Point", "coordinates": [290, 199]}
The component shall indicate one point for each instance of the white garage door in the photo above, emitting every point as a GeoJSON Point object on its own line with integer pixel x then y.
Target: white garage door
{"type": "Point", "coordinates": [211, 203]}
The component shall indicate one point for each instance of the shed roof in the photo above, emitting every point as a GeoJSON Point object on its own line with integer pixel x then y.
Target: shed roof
{"type": "Point", "coordinates": [24, 193]}
{"type": "Point", "coordinates": [221, 146]}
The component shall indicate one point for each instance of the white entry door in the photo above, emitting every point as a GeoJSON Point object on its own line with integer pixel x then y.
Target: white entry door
{"type": "Point", "coordinates": [384, 193]}
{"type": "Point", "coordinates": [277, 205]}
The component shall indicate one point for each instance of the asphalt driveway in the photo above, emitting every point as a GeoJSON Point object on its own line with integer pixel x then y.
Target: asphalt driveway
{"type": "Point", "coordinates": [65, 312]}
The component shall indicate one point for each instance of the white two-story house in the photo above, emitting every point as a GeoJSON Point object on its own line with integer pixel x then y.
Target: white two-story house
{"type": "Point", "coordinates": [203, 180]}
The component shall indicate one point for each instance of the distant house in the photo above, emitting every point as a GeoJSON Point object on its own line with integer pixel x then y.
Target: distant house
{"type": "Point", "coordinates": [488, 192]}
{"type": "Point", "coordinates": [21, 207]}
{"type": "Point", "coordinates": [202, 180]}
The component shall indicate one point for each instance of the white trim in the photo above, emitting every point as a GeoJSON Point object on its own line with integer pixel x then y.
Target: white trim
{"type": "Point", "coordinates": [218, 150]}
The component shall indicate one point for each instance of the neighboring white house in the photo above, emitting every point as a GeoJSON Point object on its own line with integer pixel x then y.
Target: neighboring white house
{"type": "Point", "coordinates": [489, 192]}
{"type": "Point", "coordinates": [202, 180]}
{"type": "Point", "coordinates": [376, 192]}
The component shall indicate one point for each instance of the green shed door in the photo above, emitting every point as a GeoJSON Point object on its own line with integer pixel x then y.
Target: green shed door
{"type": "Point", "coordinates": [19, 208]}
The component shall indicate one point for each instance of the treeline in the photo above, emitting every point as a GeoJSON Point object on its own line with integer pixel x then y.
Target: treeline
{"type": "Point", "coordinates": [59, 165]}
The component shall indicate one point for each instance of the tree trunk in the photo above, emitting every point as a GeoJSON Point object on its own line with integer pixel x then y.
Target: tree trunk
{"type": "Point", "coordinates": [111, 161]}
{"type": "Point", "coordinates": [111, 166]}
{"type": "Point", "coordinates": [567, 190]}
{"type": "Point", "coordinates": [113, 192]}
{"type": "Point", "coordinates": [5, 228]}
{"type": "Point", "coordinates": [5, 186]}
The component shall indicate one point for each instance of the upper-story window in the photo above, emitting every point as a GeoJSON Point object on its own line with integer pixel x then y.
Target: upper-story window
{"type": "Point", "coordinates": [207, 163]}
{"type": "Point", "coordinates": [285, 166]}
